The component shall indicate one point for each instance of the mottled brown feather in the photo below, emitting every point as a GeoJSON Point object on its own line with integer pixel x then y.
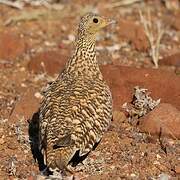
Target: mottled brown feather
{"type": "Point", "coordinates": [77, 107]}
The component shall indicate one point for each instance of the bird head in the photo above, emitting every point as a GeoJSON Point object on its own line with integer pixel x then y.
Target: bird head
{"type": "Point", "coordinates": [91, 24]}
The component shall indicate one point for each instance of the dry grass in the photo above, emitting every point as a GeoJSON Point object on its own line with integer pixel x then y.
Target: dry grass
{"type": "Point", "coordinates": [123, 3]}
{"type": "Point", "coordinates": [11, 166]}
{"type": "Point", "coordinates": [154, 32]}
{"type": "Point", "coordinates": [141, 104]}
{"type": "Point", "coordinates": [18, 5]}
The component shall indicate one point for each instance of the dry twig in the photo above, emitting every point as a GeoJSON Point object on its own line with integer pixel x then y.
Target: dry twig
{"type": "Point", "coordinates": [141, 104]}
{"type": "Point", "coordinates": [26, 16]}
{"type": "Point", "coordinates": [17, 5]}
{"type": "Point", "coordinates": [124, 3]}
{"type": "Point", "coordinates": [154, 39]}
{"type": "Point", "coordinates": [11, 166]}
{"type": "Point", "coordinates": [34, 15]}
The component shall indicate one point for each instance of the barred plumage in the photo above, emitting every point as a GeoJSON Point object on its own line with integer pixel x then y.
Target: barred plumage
{"type": "Point", "coordinates": [77, 107]}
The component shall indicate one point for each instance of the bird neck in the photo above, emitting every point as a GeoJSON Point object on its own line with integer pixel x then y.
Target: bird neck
{"type": "Point", "coordinates": [83, 61]}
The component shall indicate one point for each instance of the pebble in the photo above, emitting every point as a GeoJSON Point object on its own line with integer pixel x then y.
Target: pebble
{"type": "Point", "coordinates": [164, 119]}
{"type": "Point", "coordinates": [177, 169]}
{"type": "Point", "coordinates": [12, 146]}
{"type": "Point", "coordinates": [38, 95]}
{"type": "Point", "coordinates": [164, 176]}
{"type": "Point", "coordinates": [2, 141]}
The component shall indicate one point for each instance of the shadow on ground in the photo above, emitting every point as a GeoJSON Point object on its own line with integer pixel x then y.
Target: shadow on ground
{"type": "Point", "coordinates": [34, 140]}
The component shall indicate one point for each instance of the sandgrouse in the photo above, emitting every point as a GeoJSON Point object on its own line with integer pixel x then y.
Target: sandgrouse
{"type": "Point", "coordinates": [77, 106]}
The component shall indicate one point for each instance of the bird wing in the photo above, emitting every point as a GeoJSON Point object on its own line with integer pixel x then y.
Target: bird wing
{"type": "Point", "coordinates": [48, 107]}
{"type": "Point", "coordinates": [63, 142]}
{"type": "Point", "coordinates": [76, 113]}
{"type": "Point", "coordinates": [92, 115]}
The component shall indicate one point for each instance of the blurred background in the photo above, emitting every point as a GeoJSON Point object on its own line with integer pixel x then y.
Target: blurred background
{"type": "Point", "coordinates": [143, 48]}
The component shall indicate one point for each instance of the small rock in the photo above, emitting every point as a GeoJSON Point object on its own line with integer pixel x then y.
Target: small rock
{"type": "Point", "coordinates": [12, 146]}
{"type": "Point", "coordinates": [11, 45]}
{"type": "Point", "coordinates": [133, 175]}
{"type": "Point", "coordinates": [172, 5]}
{"type": "Point", "coordinates": [164, 176]}
{"type": "Point", "coordinates": [172, 60]}
{"type": "Point", "coordinates": [71, 37]}
{"type": "Point", "coordinates": [26, 106]}
{"type": "Point", "coordinates": [158, 156]}
{"type": "Point", "coordinates": [122, 80]}
{"type": "Point", "coordinates": [50, 62]}
{"type": "Point", "coordinates": [177, 169]}
{"type": "Point", "coordinates": [30, 178]}
{"type": "Point", "coordinates": [39, 177]}
{"type": "Point", "coordinates": [164, 119]}
{"type": "Point", "coordinates": [113, 48]}
{"type": "Point", "coordinates": [38, 95]}
{"type": "Point", "coordinates": [2, 141]}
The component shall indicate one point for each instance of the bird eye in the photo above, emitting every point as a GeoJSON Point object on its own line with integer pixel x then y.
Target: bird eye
{"type": "Point", "coordinates": [95, 20]}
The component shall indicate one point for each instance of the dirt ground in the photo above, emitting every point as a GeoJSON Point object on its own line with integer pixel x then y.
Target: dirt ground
{"type": "Point", "coordinates": [35, 43]}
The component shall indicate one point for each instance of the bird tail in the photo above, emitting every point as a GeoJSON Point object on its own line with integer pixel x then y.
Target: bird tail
{"type": "Point", "coordinates": [59, 158]}
{"type": "Point", "coordinates": [61, 152]}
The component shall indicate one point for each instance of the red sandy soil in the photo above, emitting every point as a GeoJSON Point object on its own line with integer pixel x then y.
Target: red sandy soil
{"type": "Point", "coordinates": [33, 52]}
